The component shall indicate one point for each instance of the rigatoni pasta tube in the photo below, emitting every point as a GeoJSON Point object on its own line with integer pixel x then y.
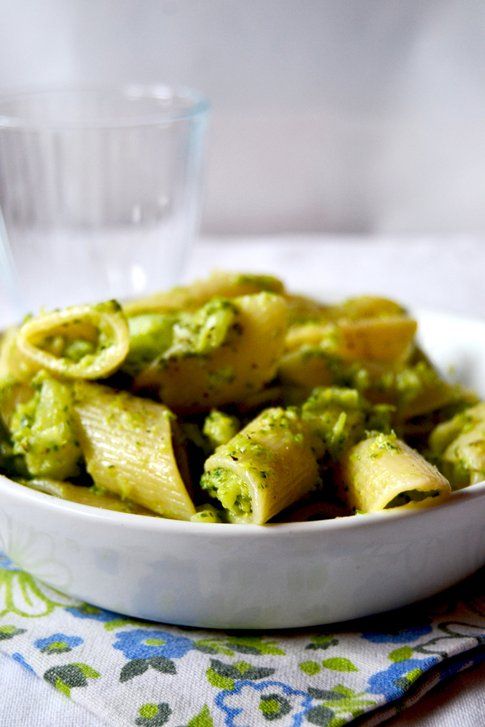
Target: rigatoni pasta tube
{"type": "Point", "coordinates": [387, 340]}
{"type": "Point", "coordinates": [218, 284]}
{"type": "Point", "coordinates": [189, 378]}
{"type": "Point", "coordinates": [85, 341]}
{"type": "Point", "coordinates": [85, 495]}
{"type": "Point", "coordinates": [127, 443]}
{"type": "Point", "coordinates": [13, 365]}
{"type": "Point", "coordinates": [459, 445]}
{"type": "Point", "coordinates": [267, 466]}
{"type": "Point", "coordinates": [383, 471]}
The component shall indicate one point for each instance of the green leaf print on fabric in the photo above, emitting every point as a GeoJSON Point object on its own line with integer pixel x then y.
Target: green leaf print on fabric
{"type": "Point", "coordinates": [254, 645]}
{"type": "Point", "coordinates": [324, 641]}
{"type": "Point", "coordinates": [310, 667]}
{"type": "Point", "coordinates": [239, 644]}
{"type": "Point", "coordinates": [224, 676]}
{"type": "Point", "coordinates": [342, 701]}
{"type": "Point", "coordinates": [135, 667]}
{"type": "Point", "coordinates": [274, 706]}
{"type": "Point", "coordinates": [64, 678]}
{"type": "Point", "coordinates": [401, 654]}
{"type": "Point", "coordinates": [8, 632]}
{"type": "Point", "coordinates": [218, 681]}
{"type": "Point", "coordinates": [203, 719]}
{"type": "Point", "coordinates": [162, 664]}
{"type": "Point", "coordinates": [212, 646]}
{"type": "Point", "coordinates": [321, 715]}
{"type": "Point", "coordinates": [240, 670]}
{"type": "Point", "coordinates": [153, 715]}
{"type": "Point", "coordinates": [339, 663]}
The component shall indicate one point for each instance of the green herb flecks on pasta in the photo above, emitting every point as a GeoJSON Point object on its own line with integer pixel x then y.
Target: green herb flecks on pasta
{"type": "Point", "coordinates": [128, 446]}
{"type": "Point", "coordinates": [266, 467]}
{"type": "Point", "coordinates": [382, 471]}
{"type": "Point", "coordinates": [219, 355]}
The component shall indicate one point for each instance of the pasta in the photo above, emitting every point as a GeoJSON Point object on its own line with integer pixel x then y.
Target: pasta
{"type": "Point", "coordinates": [127, 442]}
{"type": "Point", "coordinates": [219, 354]}
{"type": "Point", "coordinates": [43, 430]}
{"type": "Point", "coordinates": [219, 284]}
{"type": "Point", "coordinates": [93, 496]}
{"type": "Point", "coordinates": [459, 446]}
{"type": "Point", "coordinates": [266, 467]}
{"type": "Point", "coordinates": [382, 468]}
{"type": "Point", "coordinates": [86, 342]}
{"type": "Point", "coordinates": [232, 400]}
{"type": "Point", "coordinates": [387, 339]}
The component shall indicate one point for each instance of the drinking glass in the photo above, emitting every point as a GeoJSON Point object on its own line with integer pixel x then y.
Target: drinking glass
{"type": "Point", "coordinates": [99, 192]}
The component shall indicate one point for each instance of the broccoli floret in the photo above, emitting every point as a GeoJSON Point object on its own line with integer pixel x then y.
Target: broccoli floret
{"type": "Point", "coordinates": [219, 428]}
{"type": "Point", "coordinates": [43, 431]}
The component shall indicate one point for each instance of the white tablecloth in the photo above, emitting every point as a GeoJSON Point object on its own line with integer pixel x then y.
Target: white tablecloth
{"type": "Point", "coordinates": [446, 273]}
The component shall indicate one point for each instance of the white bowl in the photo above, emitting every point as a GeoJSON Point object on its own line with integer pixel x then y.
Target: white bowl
{"type": "Point", "coordinates": [246, 576]}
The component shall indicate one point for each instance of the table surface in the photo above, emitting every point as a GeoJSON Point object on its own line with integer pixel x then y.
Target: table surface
{"type": "Point", "coordinates": [444, 273]}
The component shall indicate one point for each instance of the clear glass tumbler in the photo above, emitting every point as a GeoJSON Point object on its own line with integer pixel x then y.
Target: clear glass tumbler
{"type": "Point", "coordinates": [99, 192]}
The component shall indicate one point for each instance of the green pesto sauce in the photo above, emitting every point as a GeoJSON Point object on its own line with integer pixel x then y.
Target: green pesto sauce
{"type": "Point", "coordinates": [166, 337]}
{"type": "Point", "coordinates": [261, 282]}
{"type": "Point", "coordinates": [337, 416]}
{"type": "Point", "coordinates": [201, 332]}
{"type": "Point", "coordinates": [383, 444]}
{"type": "Point", "coordinates": [220, 428]}
{"type": "Point", "coordinates": [207, 514]}
{"type": "Point", "coordinates": [229, 489]}
{"type": "Point", "coordinates": [44, 433]}
{"type": "Point", "coordinates": [151, 334]}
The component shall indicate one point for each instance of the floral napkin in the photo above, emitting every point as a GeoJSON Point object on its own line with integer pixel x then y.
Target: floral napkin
{"type": "Point", "coordinates": [130, 672]}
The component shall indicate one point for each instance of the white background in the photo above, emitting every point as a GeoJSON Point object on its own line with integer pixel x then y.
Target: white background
{"type": "Point", "coordinates": [328, 115]}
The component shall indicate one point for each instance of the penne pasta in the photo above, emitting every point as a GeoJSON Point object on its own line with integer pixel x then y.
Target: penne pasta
{"type": "Point", "coordinates": [388, 339]}
{"type": "Point", "coordinates": [197, 373]}
{"type": "Point", "coordinates": [382, 471]}
{"type": "Point", "coordinates": [85, 495]}
{"type": "Point", "coordinates": [459, 446]}
{"type": "Point", "coordinates": [217, 285]}
{"type": "Point", "coordinates": [367, 306]}
{"type": "Point", "coordinates": [266, 467]}
{"type": "Point", "coordinates": [13, 365]}
{"type": "Point", "coordinates": [127, 444]}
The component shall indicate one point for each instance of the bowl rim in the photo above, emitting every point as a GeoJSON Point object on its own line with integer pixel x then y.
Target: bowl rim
{"type": "Point", "coordinates": [184, 527]}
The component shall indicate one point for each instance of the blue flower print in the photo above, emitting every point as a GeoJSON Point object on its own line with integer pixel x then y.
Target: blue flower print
{"type": "Point", "coordinates": [58, 643]}
{"type": "Point", "coordinates": [398, 636]}
{"type": "Point", "coordinates": [93, 613]}
{"type": "Point", "coordinates": [147, 643]}
{"type": "Point", "coordinates": [263, 702]}
{"type": "Point", "coordinates": [394, 681]}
